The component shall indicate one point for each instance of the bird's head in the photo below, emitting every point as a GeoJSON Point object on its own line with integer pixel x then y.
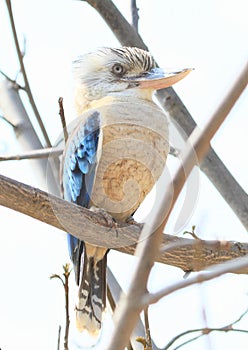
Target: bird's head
{"type": "Point", "coordinates": [120, 72]}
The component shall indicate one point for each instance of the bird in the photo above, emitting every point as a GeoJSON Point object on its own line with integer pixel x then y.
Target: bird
{"type": "Point", "coordinates": [114, 155]}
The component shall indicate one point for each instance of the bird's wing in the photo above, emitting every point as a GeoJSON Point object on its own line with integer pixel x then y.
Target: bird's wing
{"type": "Point", "coordinates": [79, 172]}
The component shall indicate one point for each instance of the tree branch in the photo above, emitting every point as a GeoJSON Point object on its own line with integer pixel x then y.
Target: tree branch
{"type": "Point", "coordinates": [205, 331]}
{"type": "Point", "coordinates": [65, 283]}
{"type": "Point", "coordinates": [64, 215]}
{"type": "Point", "coordinates": [62, 118]}
{"type": "Point", "coordinates": [36, 154]}
{"type": "Point", "coordinates": [23, 70]}
{"type": "Point", "coordinates": [113, 292]}
{"type": "Point", "coordinates": [123, 31]}
{"type": "Point", "coordinates": [148, 338]}
{"type": "Point", "coordinates": [184, 253]}
{"type": "Point", "coordinates": [15, 113]}
{"type": "Point", "coordinates": [212, 166]}
{"type": "Point", "coordinates": [135, 15]}
{"type": "Point", "coordinates": [234, 266]}
{"type": "Point", "coordinates": [114, 297]}
{"type": "Point", "coordinates": [129, 308]}
{"type": "Point", "coordinates": [11, 80]}
{"type": "Point", "coordinates": [59, 334]}
{"type": "Point", "coordinates": [50, 152]}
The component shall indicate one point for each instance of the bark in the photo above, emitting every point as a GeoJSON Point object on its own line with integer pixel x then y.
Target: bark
{"type": "Point", "coordinates": [184, 253]}
{"type": "Point", "coordinates": [15, 113]}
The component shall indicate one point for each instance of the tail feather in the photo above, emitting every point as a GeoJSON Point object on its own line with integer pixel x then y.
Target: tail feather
{"type": "Point", "coordinates": [92, 291]}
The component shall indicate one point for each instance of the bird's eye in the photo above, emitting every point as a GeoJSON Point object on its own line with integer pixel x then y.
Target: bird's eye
{"type": "Point", "coordinates": [118, 69]}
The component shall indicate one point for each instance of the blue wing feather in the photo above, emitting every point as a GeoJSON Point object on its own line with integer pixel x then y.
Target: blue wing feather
{"type": "Point", "coordinates": [83, 164]}
{"type": "Point", "coordinates": [79, 173]}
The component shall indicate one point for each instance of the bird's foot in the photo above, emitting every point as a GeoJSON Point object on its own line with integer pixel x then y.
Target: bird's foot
{"type": "Point", "coordinates": [130, 220]}
{"type": "Point", "coordinates": [110, 221]}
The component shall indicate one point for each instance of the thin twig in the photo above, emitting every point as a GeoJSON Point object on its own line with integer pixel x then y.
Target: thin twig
{"type": "Point", "coordinates": [35, 154]}
{"type": "Point", "coordinates": [59, 335]}
{"type": "Point", "coordinates": [62, 118]}
{"type": "Point", "coordinates": [216, 271]}
{"type": "Point", "coordinates": [65, 283]}
{"type": "Point", "coordinates": [66, 274]}
{"type": "Point", "coordinates": [192, 233]}
{"type": "Point", "coordinates": [135, 14]}
{"type": "Point", "coordinates": [25, 78]}
{"type": "Point", "coordinates": [206, 331]}
{"type": "Point", "coordinates": [110, 298]}
{"type": "Point", "coordinates": [7, 77]}
{"type": "Point", "coordinates": [11, 80]}
{"type": "Point", "coordinates": [23, 52]}
{"type": "Point", "coordinates": [188, 341]}
{"type": "Point", "coordinates": [147, 328]}
{"type": "Point", "coordinates": [7, 121]}
{"type": "Point", "coordinates": [24, 46]}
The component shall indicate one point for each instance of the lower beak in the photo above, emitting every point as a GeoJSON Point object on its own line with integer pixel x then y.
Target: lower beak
{"type": "Point", "coordinates": [158, 78]}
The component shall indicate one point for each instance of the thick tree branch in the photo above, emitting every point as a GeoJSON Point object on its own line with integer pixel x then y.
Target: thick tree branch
{"type": "Point", "coordinates": [135, 14]}
{"type": "Point", "coordinates": [212, 166]}
{"type": "Point", "coordinates": [184, 253]}
{"type": "Point", "coordinates": [64, 215]}
{"type": "Point", "coordinates": [114, 297]}
{"type": "Point", "coordinates": [15, 113]}
{"type": "Point", "coordinates": [118, 24]}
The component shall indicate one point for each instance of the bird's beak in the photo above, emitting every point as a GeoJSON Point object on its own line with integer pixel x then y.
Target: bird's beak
{"type": "Point", "coordinates": [158, 78]}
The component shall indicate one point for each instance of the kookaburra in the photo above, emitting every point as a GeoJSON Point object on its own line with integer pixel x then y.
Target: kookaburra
{"type": "Point", "coordinates": [114, 155]}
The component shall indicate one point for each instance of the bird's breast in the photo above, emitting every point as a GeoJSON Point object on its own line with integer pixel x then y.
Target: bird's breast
{"type": "Point", "coordinates": [132, 154]}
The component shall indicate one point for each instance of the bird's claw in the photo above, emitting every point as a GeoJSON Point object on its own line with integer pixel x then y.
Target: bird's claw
{"type": "Point", "coordinates": [130, 220]}
{"type": "Point", "coordinates": [110, 221]}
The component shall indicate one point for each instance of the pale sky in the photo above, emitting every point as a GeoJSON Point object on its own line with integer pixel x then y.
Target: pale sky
{"type": "Point", "coordinates": [210, 36]}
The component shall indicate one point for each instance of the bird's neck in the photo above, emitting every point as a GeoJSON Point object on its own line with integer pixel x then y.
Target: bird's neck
{"type": "Point", "coordinates": [83, 102]}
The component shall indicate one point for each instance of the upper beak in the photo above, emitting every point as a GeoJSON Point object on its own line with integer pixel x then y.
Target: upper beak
{"type": "Point", "coordinates": [158, 78]}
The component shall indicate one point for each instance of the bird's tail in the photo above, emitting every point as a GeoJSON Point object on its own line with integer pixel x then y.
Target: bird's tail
{"type": "Point", "coordinates": [92, 290]}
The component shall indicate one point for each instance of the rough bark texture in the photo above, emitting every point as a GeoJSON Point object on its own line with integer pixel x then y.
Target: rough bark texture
{"type": "Point", "coordinates": [184, 253]}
